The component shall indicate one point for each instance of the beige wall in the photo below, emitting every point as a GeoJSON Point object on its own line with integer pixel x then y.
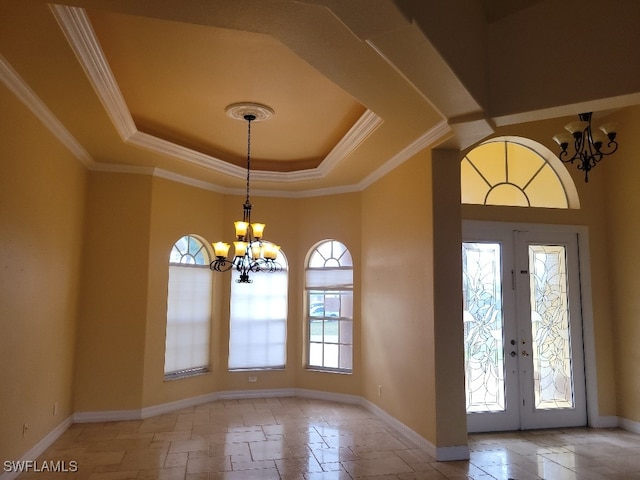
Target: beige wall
{"type": "Point", "coordinates": [622, 174]}
{"type": "Point", "coordinates": [42, 191]}
{"type": "Point", "coordinates": [111, 330]}
{"type": "Point", "coordinates": [397, 296]}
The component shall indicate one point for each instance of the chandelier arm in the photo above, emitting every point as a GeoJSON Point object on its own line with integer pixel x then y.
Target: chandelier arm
{"type": "Point", "coordinates": [221, 265]}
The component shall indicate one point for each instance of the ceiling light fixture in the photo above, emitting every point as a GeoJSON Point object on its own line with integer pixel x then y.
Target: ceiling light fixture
{"type": "Point", "coordinates": [587, 143]}
{"type": "Point", "coordinates": [252, 253]}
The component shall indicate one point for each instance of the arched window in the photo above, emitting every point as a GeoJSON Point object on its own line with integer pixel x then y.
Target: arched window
{"type": "Point", "coordinates": [516, 171]}
{"type": "Point", "coordinates": [329, 304]}
{"type": "Point", "coordinates": [188, 309]}
{"type": "Point", "coordinates": [258, 319]}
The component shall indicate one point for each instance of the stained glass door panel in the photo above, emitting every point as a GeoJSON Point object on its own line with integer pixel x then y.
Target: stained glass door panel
{"type": "Point", "coordinates": [551, 326]}
{"type": "Point", "coordinates": [551, 338]}
{"type": "Point", "coordinates": [483, 342]}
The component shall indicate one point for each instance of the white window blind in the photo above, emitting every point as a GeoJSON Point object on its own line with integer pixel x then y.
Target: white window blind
{"type": "Point", "coordinates": [258, 320]}
{"type": "Point", "coordinates": [188, 318]}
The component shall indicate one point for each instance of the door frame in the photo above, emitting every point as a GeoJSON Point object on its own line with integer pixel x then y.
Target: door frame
{"type": "Point", "coordinates": [471, 227]}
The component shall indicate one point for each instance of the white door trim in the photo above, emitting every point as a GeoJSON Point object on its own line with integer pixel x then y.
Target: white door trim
{"type": "Point", "coordinates": [593, 413]}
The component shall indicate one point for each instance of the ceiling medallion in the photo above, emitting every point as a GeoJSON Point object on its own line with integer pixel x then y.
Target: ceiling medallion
{"type": "Point", "coordinates": [239, 111]}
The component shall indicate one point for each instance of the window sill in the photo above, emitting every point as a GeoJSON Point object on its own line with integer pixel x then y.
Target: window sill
{"type": "Point", "coordinates": [185, 374]}
{"type": "Point", "coordinates": [329, 370]}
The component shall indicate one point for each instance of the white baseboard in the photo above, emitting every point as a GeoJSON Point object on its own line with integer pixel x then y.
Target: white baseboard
{"type": "Point", "coordinates": [441, 454]}
{"type": "Point", "coordinates": [630, 425]}
{"type": "Point", "coordinates": [604, 422]}
{"type": "Point", "coordinates": [39, 448]}
{"type": "Point", "coordinates": [154, 410]}
{"type": "Point", "coordinates": [266, 393]}
{"type": "Point", "coordinates": [107, 416]}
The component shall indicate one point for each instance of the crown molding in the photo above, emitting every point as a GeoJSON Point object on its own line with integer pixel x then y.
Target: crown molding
{"type": "Point", "coordinates": [16, 84]}
{"type": "Point", "coordinates": [425, 140]}
{"type": "Point", "coordinates": [80, 35]}
{"type": "Point", "coordinates": [77, 28]}
{"type": "Point", "coordinates": [79, 32]}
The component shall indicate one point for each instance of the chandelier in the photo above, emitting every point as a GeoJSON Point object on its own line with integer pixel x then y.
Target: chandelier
{"type": "Point", "coordinates": [252, 253]}
{"type": "Point", "coordinates": [587, 143]}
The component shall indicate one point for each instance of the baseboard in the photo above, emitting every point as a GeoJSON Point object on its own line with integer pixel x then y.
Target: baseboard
{"type": "Point", "coordinates": [107, 416]}
{"type": "Point", "coordinates": [630, 425]}
{"type": "Point", "coordinates": [441, 454]}
{"type": "Point", "coordinates": [266, 393]}
{"type": "Point", "coordinates": [154, 410]}
{"type": "Point", "coordinates": [604, 422]}
{"type": "Point", "coordinates": [39, 448]}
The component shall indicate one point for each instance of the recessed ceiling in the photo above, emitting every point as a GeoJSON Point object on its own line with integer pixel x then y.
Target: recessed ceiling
{"type": "Point", "coordinates": [179, 91]}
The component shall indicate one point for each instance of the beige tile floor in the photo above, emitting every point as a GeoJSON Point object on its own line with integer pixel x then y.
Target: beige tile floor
{"type": "Point", "coordinates": [296, 438]}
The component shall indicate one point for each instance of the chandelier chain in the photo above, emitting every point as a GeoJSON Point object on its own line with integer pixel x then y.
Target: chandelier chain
{"type": "Point", "coordinates": [249, 118]}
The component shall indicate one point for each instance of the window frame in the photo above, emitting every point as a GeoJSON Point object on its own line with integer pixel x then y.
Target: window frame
{"type": "Point", "coordinates": [338, 268]}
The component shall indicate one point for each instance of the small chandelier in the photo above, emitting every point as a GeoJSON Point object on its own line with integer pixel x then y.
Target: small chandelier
{"type": "Point", "coordinates": [587, 143]}
{"type": "Point", "coordinates": [252, 253]}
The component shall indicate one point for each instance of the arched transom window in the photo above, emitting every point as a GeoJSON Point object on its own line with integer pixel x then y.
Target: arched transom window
{"type": "Point", "coordinates": [516, 172]}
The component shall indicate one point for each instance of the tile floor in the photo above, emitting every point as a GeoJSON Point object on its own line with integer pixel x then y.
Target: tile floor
{"type": "Point", "coordinates": [297, 438]}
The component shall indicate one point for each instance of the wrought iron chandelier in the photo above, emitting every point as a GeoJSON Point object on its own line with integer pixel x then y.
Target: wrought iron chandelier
{"type": "Point", "coordinates": [587, 143]}
{"type": "Point", "coordinates": [252, 253]}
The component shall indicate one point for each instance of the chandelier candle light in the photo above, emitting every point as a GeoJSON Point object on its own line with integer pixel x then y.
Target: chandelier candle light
{"type": "Point", "coordinates": [587, 143]}
{"type": "Point", "coordinates": [252, 253]}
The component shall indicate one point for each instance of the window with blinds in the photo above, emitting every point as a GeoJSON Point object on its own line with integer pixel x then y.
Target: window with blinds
{"type": "Point", "coordinates": [188, 309]}
{"type": "Point", "coordinates": [258, 320]}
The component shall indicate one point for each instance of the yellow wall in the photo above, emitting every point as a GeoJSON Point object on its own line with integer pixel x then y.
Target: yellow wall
{"type": "Point", "coordinates": [397, 295]}
{"type": "Point", "coordinates": [41, 213]}
{"type": "Point", "coordinates": [111, 331]}
{"type": "Point", "coordinates": [622, 174]}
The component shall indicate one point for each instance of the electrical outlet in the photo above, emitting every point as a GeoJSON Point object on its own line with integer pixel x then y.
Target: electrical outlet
{"type": "Point", "coordinates": [253, 379]}
{"type": "Point", "coordinates": [379, 390]}
{"type": "Point", "coordinates": [55, 408]}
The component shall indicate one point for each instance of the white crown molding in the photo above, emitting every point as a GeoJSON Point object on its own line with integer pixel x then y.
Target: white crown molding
{"type": "Point", "coordinates": [428, 138]}
{"type": "Point", "coordinates": [16, 84]}
{"type": "Point", "coordinates": [76, 26]}
{"type": "Point", "coordinates": [365, 125]}
{"type": "Point", "coordinates": [360, 130]}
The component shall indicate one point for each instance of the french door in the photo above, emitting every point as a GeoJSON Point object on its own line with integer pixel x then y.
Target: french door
{"type": "Point", "coordinates": [524, 360]}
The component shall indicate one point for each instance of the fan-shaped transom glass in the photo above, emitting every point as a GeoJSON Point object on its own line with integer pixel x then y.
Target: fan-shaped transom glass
{"type": "Point", "coordinates": [513, 172]}
{"type": "Point", "coordinates": [189, 250]}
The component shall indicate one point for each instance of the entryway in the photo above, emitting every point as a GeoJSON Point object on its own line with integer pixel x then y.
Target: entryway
{"type": "Point", "coordinates": [524, 355]}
